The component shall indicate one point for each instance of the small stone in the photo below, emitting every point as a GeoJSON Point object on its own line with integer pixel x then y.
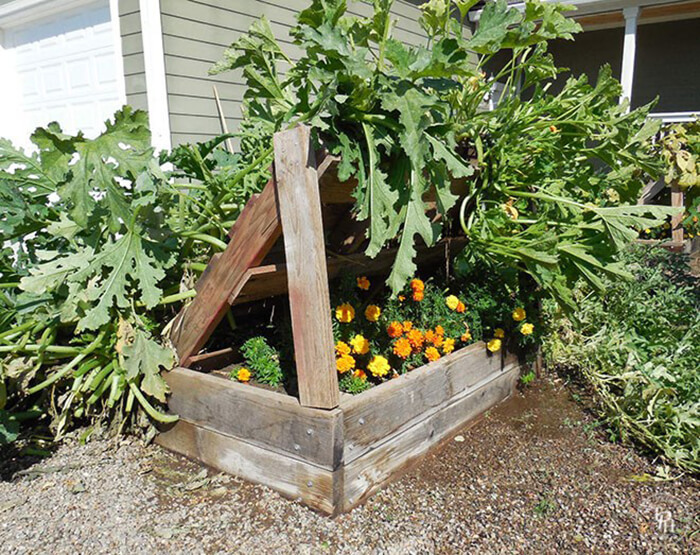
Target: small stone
{"type": "Point", "coordinates": [459, 439]}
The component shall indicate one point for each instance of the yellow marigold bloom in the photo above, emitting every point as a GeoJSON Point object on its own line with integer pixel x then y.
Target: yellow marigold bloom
{"type": "Point", "coordinates": [402, 347]}
{"type": "Point", "coordinates": [451, 301]}
{"type": "Point", "coordinates": [494, 345]}
{"type": "Point", "coordinates": [345, 363]}
{"type": "Point", "coordinates": [499, 333]}
{"type": "Point", "coordinates": [342, 348]}
{"type": "Point", "coordinates": [345, 313]}
{"type": "Point", "coordinates": [363, 283]}
{"type": "Point", "coordinates": [360, 345]}
{"type": "Point", "coordinates": [417, 285]}
{"type": "Point", "coordinates": [395, 329]}
{"type": "Point", "coordinates": [466, 336]}
{"type": "Point", "coordinates": [416, 338]}
{"type": "Point", "coordinates": [379, 366]}
{"type": "Point", "coordinates": [418, 295]}
{"type": "Point", "coordinates": [407, 325]}
{"type": "Point", "coordinates": [519, 314]}
{"type": "Point", "coordinates": [243, 375]}
{"type": "Point", "coordinates": [432, 354]}
{"type": "Point", "coordinates": [372, 312]}
{"type": "Point", "coordinates": [527, 329]}
{"type": "Point", "coordinates": [401, 298]}
{"type": "Point", "coordinates": [359, 374]}
{"type": "Point", "coordinates": [448, 345]}
{"type": "Point", "coordinates": [461, 307]}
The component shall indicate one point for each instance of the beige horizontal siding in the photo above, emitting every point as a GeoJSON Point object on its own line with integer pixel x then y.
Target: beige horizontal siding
{"type": "Point", "coordinates": [132, 52]}
{"type": "Point", "coordinates": [196, 34]}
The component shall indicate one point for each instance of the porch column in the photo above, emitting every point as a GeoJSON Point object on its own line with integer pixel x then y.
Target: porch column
{"type": "Point", "coordinates": [628, 51]}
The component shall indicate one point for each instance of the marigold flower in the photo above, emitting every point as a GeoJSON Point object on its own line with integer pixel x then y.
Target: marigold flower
{"type": "Point", "coordinates": [461, 307]}
{"type": "Point", "coordinates": [416, 338]}
{"type": "Point", "coordinates": [451, 301]}
{"type": "Point", "coordinates": [359, 374]}
{"type": "Point", "coordinates": [345, 313]}
{"type": "Point", "coordinates": [407, 325]}
{"type": "Point", "coordinates": [433, 337]}
{"type": "Point", "coordinates": [363, 283]}
{"type": "Point", "coordinates": [498, 333]}
{"type": "Point", "coordinates": [417, 285]}
{"type": "Point", "coordinates": [439, 330]}
{"type": "Point", "coordinates": [342, 348]}
{"type": "Point", "coordinates": [402, 347]}
{"type": "Point", "coordinates": [527, 329]}
{"type": "Point", "coordinates": [379, 366]}
{"type": "Point", "coordinates": [466, 336]}
{"type": "Point", "coordinates": [401, 298]}
{"type": "Point", "coordinates": [395, 329]}
{"type": "Point", "coordinates": [519, 314]}
{"type": "Point", "coordinates": [432, 354]}
{"type": "Point", "coordinates": [553, 129]}
{"type": "Point", "coordinates": [418, 295]}
{"type": "Point", "coordinates": [360, 345]}
{"type": "Point", "coordinates": [345, 363]}
{"type": "Point", "coordinates": [494, 345]}
{"type": "Point", "coordinates": [510, 210]}
{"type": "Point", "coordinates": [243, 375]}
{"type": "Point", "coordinates": [372, 312]}
{"type": "Point", "coordinates": [448, 345]}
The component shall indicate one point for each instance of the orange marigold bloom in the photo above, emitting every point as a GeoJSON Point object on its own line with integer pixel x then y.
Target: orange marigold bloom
{"type": "Point", "coordinates": [401, 298]}
{"type": "Point", "coordinates": [345, 363]}
{"type": "Point", "coordinates": [439, 330]}
{"type": "Point", "coordinates": [407, 325]}
{"type": "Point", "coordinates": [416, 338]}
{"type": "Point", "coordinates": [448, 346]}
{"type": "Point", "coordinates": [395, 329]}
{"type": "Point", "coordinates": [461, 307]}
{"type": "Point", "coordinates": [417, 285]}
{"type": "Point", "coordinates": [359, 374]}
{"type": "Point", "coordinates": [432, 354]}
{"type": "Point", "coordinates": [342, 348]}
{"type": "Point", "coordinates": [433, 337]}
{"type": "Point", "coordinates": [372, 312]}
{"type": "Point", "coordinates": [363, 283]}
{"type": "Point", "coordinates": [418, 295]}
{"type": "Point", "coordinates": [402, 347]}
{"type": "Point", "coordinates": [466, 336]}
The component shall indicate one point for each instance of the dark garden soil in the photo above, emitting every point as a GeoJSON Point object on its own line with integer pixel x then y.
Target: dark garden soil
{"type": "Point", "coordinates": [536, 475]}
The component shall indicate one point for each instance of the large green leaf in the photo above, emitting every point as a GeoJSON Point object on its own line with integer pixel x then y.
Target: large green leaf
{"type": "Point", "coordinates": [145, 358]}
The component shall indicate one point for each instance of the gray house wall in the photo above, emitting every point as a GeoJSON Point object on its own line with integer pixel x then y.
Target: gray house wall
{"type": "Point", "coordinates": [195, 35]}
{"type": "Point", "coordinates": [132, 52]}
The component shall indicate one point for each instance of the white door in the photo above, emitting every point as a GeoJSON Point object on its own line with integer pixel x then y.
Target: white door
{"type": "Point", "coordinates": [64, 69]}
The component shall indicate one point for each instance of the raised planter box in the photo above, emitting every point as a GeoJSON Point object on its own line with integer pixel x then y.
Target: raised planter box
{"type": "Point", "coordinates": [332, 460]}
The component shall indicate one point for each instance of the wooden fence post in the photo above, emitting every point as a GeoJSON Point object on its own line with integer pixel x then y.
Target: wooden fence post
{"type": "Point", "coordinates": [307, 274]}
{"type": "Point", "coordinates": [676, 221]}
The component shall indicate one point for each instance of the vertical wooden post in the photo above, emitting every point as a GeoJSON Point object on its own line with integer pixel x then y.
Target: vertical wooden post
{"type": "Point", "coordinates": [676, 220]}
{"type": "Point", "coordinates": [307, 274]}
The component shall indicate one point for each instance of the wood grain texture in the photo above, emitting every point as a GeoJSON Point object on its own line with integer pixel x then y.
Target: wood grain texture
{"type": "Point", "coordinates": [398, 404]}
{"type": "Point", "coordinates": [275, 421]}
{"type": "Point", "coordinates": [254, 232]}
{"type": "Point", "coordinates": [677, 220]}
{"type": "Point", "coordinates": [307, 276]}
{"type": "Point", "coordinates": [388, 457]}
{"type": "Point", "coordinates": [317, 487]}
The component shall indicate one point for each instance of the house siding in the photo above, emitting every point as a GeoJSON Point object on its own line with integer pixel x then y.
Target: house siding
{"type": "Point", "coordinates": [132, 52]}
{"type": "Point", "coordinates": [195, 35]}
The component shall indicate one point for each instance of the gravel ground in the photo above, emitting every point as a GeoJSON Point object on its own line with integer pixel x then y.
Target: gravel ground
{"type": "Point", "coordinates": [534, 476]}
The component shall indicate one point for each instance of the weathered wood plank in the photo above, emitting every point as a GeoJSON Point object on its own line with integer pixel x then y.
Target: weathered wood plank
{"type": "Point", "coordinates": [307, 276]}
{"type": "Point", "coordinates": [264, 418]}
{"type": "Point", "coordinates": [310, 484]}
{"type": "Point", "coordinates": [677, 220]}
{"type": "Point", "coordinates": [396, 404]}
{"type": "Point", "coordinates": [255, 231]}
{"type": "Point", "coordinates": [367, 474]}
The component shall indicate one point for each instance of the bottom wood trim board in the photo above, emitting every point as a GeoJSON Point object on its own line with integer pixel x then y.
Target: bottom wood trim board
{"type": "Point", "coordinates": [371, 471]}
{"type": "Point", "coordinates": [300, 481]}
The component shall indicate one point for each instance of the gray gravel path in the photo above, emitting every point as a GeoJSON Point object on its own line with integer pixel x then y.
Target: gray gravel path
{"type": "Point", "coordinates": [534, 476]}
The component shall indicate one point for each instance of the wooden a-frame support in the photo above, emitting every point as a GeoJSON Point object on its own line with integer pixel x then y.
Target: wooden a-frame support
{"type": "Point", "coordinates": [290, 205]}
